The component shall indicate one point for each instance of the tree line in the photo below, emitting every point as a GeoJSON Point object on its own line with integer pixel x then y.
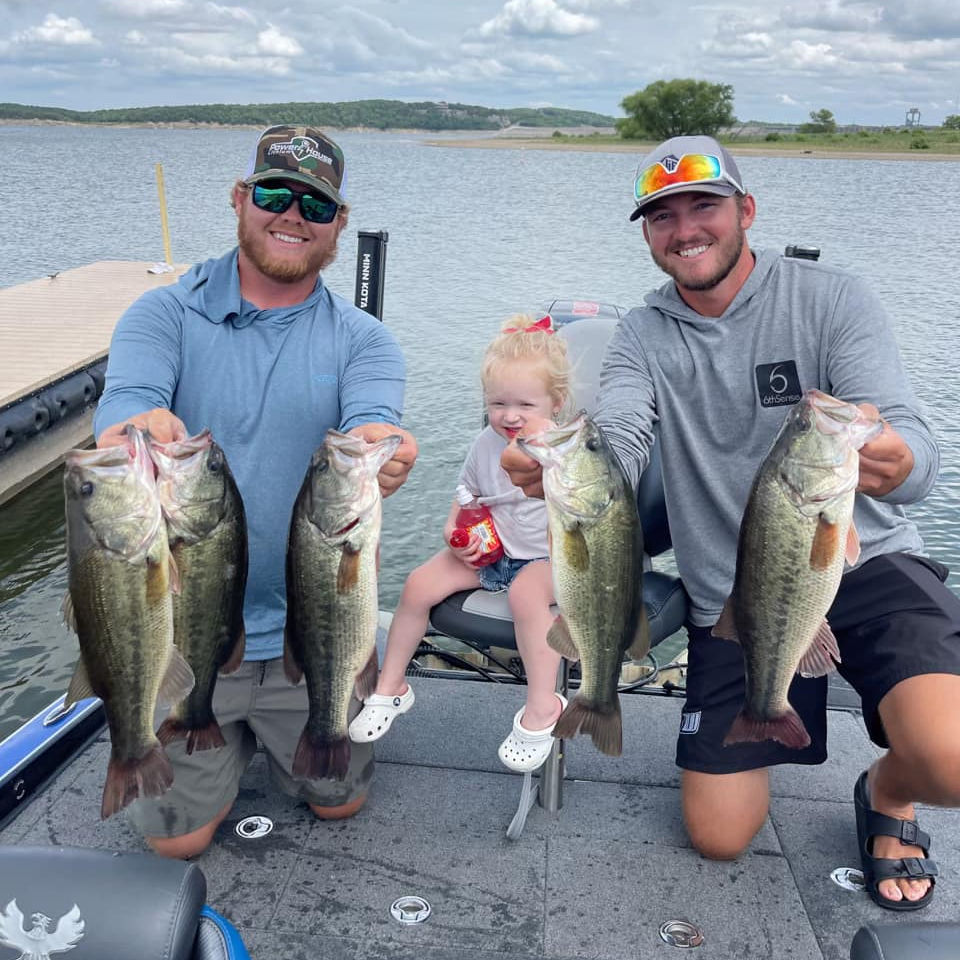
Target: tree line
{"type": "Point", "coordinates": [371, 114]}
{"type": "Point", "coordinates": [676, 108]}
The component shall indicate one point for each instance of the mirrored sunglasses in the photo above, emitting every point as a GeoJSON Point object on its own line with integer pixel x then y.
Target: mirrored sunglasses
{"type": "Point", "coordinates": [314, 208]}
{"type": "Point", "coordinates": [692, 168]}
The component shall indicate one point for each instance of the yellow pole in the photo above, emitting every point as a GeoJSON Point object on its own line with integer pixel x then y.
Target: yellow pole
{"type": "Point", "coordinates": [163, 215]}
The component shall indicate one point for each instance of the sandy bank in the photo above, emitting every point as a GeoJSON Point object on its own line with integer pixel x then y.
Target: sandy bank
{"type": "Point", "coordinates": [747, 150]}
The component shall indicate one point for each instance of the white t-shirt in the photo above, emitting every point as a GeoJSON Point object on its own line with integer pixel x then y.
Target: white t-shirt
{"type": "Point", "coordinates": [521, 521]}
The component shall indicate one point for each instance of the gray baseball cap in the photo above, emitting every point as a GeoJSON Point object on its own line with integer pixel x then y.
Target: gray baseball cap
{"type": "Point", "coordinates": [685, 163]}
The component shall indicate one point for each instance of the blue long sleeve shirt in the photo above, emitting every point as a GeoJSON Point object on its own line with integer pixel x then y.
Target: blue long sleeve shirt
{"type": "Point", "coordinates": [268, 384]}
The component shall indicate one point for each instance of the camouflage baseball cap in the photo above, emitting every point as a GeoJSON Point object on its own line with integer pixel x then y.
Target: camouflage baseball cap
{"type": "Point", "coordinates": [303, 154]}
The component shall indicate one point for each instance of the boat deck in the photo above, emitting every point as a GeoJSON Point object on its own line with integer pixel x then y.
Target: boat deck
{"type": "Point", "coordinates": [595, 879]}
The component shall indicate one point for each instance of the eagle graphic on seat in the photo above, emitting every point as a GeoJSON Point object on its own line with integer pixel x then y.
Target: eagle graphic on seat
{"type": "Point", "coordinates": [40, 942]}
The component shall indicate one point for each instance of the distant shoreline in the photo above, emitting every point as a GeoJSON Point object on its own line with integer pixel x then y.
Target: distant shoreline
{"type": "Point", "coordinates": [744, 150]}
{"type": "Point", "coordinates": [462, 139]}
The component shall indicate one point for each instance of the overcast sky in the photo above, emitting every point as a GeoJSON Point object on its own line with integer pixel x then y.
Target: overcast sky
{"type": "Point", "coordinates": [867, 62]}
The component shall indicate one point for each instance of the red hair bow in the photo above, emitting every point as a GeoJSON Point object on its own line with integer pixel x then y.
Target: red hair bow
{"type": "Point", "coordinates": [545, 323]}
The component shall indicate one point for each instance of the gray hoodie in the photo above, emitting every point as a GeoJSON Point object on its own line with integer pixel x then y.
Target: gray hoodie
{"type": "Point", "coordinates": [718, 389]}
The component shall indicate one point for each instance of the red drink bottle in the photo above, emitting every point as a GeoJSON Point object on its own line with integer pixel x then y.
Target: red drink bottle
{"type": "Point", "coordinates": [476, 518]}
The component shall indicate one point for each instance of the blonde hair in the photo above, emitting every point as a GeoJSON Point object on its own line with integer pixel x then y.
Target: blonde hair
{"type": "Point", "coordinates": [542, 347]}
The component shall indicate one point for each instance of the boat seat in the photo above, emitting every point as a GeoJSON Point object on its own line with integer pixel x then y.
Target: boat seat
{"type": "Point", "coordinates": [907, 941]}
{"type": "Point", "coordinates": [100, 905]}
{"type": "Point", "coordinates": [482, 619]}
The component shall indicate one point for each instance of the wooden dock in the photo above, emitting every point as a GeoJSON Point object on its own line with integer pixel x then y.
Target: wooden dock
{"type": "Point", "coordinates": [49, 329]}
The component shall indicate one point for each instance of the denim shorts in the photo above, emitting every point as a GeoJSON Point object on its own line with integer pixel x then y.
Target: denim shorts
{"type": "Point", "coordinates": [501, 573]}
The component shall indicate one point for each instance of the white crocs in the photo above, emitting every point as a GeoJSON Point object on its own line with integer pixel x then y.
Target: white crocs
{"type": "Point", "coordinates": [525, 750]}
{"type": "Point", "coordinates": [378, 713]}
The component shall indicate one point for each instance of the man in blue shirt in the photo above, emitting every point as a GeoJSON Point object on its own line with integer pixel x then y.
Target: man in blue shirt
{"type": "Point", "coordinates": [256, 348]}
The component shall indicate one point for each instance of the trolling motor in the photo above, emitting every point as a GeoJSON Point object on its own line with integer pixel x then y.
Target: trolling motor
{"type": "Point", "coordinates": [802, 252]}
{"type": "Point", "coordinates": [371, 268]}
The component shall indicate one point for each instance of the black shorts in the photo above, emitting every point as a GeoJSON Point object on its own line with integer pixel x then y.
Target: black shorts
{"type": "Point", "coordinates": [893, 618]}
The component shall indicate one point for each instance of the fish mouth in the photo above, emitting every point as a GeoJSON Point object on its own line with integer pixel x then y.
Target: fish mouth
{"type": "Point", "coordinates": [550, 443]}
{"type": "Point", "coordinates": [833, 417]}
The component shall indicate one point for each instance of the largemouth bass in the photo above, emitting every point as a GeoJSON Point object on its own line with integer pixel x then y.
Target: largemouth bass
{"type": "Point", "coordinates": [332, 560]}
{"type": "Point", "coordinates": [596, 555]}
{"type": "Point", "coordinates": [120, 604]}
{"type": "Point", "coordinates": [207, 532]}
{"type": "Point", "coordinates": [796, 532]}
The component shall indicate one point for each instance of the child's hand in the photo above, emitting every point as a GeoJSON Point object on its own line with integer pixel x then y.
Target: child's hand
{"type": "Point", "coordinates": [469, 553]}
{"type": "Point", "coordinates": [525, 472]}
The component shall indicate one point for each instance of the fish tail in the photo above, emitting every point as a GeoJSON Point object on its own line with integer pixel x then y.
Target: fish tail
{"type": "Point", "coordinates": [603, 725]}
{"type": "Point", "coordinates": [148, 776]}
{"type": "Point", "coordinates": [318, 757]}
{"type": "Point", "coordinates": [198, 738]}
{"type": "Point", "coordinates": [787, 728]}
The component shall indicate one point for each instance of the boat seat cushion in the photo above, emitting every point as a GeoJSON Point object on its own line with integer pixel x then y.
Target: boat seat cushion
{"type": "Point", "coordinates": [99, 905]}
{"type": "Point", "coordinates": [483, 619]}
{"type": "Point", "coordinates": [907, 941]}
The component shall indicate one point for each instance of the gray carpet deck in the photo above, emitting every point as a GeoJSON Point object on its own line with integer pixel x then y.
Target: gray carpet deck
{"type": "Point", "coordinates": [595, 879]}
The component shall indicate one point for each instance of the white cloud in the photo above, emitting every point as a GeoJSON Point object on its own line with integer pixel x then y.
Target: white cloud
{"type": "Point", "coordinates": [58, 31]}
{"type": "Point", "coordinates": [146, 9]}
{"type": "Point", "coordinates": [272, 43]}
{"type": "Point", "coordinates": [240, 14]}
{"type": "Point", "coordinates": [534, 18]}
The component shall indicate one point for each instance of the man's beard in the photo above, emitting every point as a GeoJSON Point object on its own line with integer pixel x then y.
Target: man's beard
{"type": "Point", "coordinates": [724, 269]}
{"type": "Point", "coordinates": [284, 270]}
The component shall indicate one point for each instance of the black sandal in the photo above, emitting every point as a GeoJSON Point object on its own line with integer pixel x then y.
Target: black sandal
{"type": "Point", "coordinates": [875, 869]}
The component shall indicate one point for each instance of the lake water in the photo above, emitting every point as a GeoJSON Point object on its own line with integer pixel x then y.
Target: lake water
{"type": "Point", "coordinates": [475, 235]}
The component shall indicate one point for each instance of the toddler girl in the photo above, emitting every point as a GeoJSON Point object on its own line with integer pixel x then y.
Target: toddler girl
{"type": "Point", "coordinates": [525, 376]}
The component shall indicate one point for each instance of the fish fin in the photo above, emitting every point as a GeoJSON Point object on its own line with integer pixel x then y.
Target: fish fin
{"type": "Point", "coordinates": [348, 573]}
{"type": "Point", "coordinates": [640, 646]}
{"type": "Point", "coordinates": [79, 688]}
{"type": "Point", "coordinates": [148, 776]}
{"type": "Point", "coordinates": [318, 758]}
{"type": "Point", "coordinates": [291, 667]}
{"type": "Point", "coordinates": [367, 678]}
{"type": "Point", "coordinates": [558, 637]}
{"type": "Point", "coordinates": [787, 729]}
{"type": "Point", "coordinates": [173, 573]}
{"type": "Point", "coordinates": [826, 544]}
{"type": "Point", "coordinates": [235, 659]}
{"type": "Point", "coordinates": [198, 738]}
{"type": "Point", "coordinates": [823, 654]}
{"type": "Point", "coordinates": [178, 680]}
{"type": "Point", "coordinates": [726, 627]}
{"type": "Point", "coordinates": [852, 554]}
{"type": "Point", "coordinates": [158, 582]}
{"type": "Point", "coordinates": [604, 726]}
{"type": "Point", "coordinates": [575, 549]}
{"type": "Point", "coordinates": [68, 613]}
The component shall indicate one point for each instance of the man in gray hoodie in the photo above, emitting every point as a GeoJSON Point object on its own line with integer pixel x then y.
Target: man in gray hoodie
{"type": "Point", "coordinates": [715, 358]}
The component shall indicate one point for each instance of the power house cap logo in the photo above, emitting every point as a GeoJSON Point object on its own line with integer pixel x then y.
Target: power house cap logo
{"type": "Point", "coordinates": [39, 942]}
{"type": "Point", "coordinates": [300, 148]}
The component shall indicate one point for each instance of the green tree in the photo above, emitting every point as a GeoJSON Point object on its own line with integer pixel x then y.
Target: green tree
{"type": "Point", "coordinates": [676, 108]}
{"type": "Point", "coordinates": [952, 122]}
{"type": "Point", "coordinates": [821, 121]}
